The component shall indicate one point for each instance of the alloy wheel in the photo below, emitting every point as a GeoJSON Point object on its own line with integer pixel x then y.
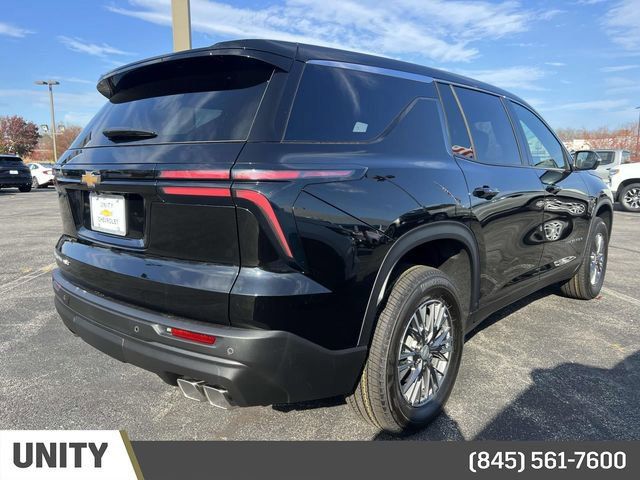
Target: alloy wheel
{"type": "Point", "coordinates": [632, 198]}
{"type": "Point", "coordinates": [597, 260]}
{"type": "Point", "coordinates": [425, 351]}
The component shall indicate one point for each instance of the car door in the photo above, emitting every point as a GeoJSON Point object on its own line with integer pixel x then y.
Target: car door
{"type": "Point", "coordinates": [566, 214]}
{"type": "Point", "coordinates": [505, 194]}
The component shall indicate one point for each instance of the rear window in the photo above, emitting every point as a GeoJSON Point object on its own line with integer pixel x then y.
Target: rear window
{"type": "Point", "coordinates": [212, 98]}
{"type": "Point", "coordinates": [342, 105]}
{"type": "Point", "coordinates": [606, 157]}
{"type": "Point", "coordinates": [10, 161]}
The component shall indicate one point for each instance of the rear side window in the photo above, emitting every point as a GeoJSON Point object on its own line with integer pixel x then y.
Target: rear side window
{"type": "Point", "coordinates": [342, 105]}
{"type": "Point", "coordinates": [203, 99]}
{"type": "Point", "coordinates": [493, 136]}
{"type": "Point", "coordinates": [545, 149]}
{"type": "Point", "coordinates": [606, 157]}
{"type": "Point", "coordinates": [458, 133]}
{"type": "Point", "coordinates": [626, 157]}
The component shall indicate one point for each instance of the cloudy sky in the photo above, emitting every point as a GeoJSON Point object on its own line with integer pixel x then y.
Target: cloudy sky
{"type": "Point", "coordinates": [577, 62]}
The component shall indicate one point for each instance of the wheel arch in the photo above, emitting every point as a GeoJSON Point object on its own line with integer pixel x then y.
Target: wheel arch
{"type": "Point", "coordinates": [623, 184]}
{"type": "Point", "coordinates": [421, 237]}
{"type": "Point", "coordinates": [604, 210]}
{"type": "Point", "coordinates": [603, 204]}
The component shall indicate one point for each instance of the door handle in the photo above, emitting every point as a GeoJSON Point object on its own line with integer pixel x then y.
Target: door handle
{"type": "Point", "coordinates": [485, 192]}
{"type": "Point", "coordinates": [553, 189]}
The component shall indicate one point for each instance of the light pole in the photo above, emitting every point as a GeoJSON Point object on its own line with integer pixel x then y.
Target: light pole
{"type": "Point", "coordinates": [638, 137]}
{"type": "Point", "coordinates": [181, 21]}
{"type": "Point", "coordinates": [50, 84]}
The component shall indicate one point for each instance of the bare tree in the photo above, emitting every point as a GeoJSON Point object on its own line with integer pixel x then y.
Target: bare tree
{"type": "Point", "coordinates": [65, 137]}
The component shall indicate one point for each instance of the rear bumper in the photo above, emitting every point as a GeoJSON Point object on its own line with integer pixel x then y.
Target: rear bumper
{"type": "Point", "coordinates": [255, 367]}
{"type": "Point", "coordinates": [14, 180]}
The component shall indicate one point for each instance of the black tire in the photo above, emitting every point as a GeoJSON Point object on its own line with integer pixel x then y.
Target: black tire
{"type": "Point", "coordinates": [378, 398]}
{"type": "Point", "coordinates": [580, 286]}
{"type": "Point", "coordinates": [34, 183]}
{"type": "Point", "coordinates": [629, 197]}
{"type": "Point", "coordinates": [25, 188]}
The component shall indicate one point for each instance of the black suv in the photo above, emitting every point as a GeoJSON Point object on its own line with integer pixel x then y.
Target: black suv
{"type": "Point", "coordinates": [265, 222]}
{"type": "Point", "coordinates": [14, 173]}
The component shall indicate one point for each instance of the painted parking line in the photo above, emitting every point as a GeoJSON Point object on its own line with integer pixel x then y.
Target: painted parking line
{"type": "Point", "coordinates": [26, 278]}
{"type": "Point", "coordinates": [621, 296]}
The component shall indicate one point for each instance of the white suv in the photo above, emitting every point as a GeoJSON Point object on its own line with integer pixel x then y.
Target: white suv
{"type": "Point", "coordinates": [624, 181]}
{"type": "Point", "coordinates": [611, 158]}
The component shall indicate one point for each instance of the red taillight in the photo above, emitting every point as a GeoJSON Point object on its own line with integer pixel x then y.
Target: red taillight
{"type": "Point", "coordinates": [280, 175]}
{"type": "Point", "coordinates": [193, 336]}
{"type": "Point", "coordinates": [265, 206]}
{"type": "Point", "coordinates": [198, 191]}
{"type": "Point", "coordinates": [48, 172]}
{"type": "Point", "coordinates": [195, 174]}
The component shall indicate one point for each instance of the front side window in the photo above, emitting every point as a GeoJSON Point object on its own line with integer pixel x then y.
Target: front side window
{"type": "Point", "coordinates": [545, 149]}
{"type": "Point", "coordinates": [336, 104]}
{"type": "Point", "coordinates": [490, 128]}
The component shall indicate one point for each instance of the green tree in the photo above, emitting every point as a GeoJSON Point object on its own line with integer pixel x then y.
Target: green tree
{"type": "Point", "coordinates": [18, 135]}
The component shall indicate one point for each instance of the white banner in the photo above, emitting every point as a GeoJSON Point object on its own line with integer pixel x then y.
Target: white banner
{"type": "Point", "coordinates": [66, 455]}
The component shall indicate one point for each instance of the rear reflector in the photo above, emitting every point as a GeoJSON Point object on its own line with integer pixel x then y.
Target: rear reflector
{"type": "Point", "coordinates": [193, 336]}
{"type": "Point", "coordinates": [198, 191]}
{"type": "Point", "coordinates": [195, 174]}
{"type": "Point", "coordinates": [265, 206]}
{"type": "Point", "coordinates": [280, 175]}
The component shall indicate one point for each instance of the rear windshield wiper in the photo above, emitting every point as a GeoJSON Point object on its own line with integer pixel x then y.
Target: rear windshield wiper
{"type": "Point", "coordinates": [120, 134]}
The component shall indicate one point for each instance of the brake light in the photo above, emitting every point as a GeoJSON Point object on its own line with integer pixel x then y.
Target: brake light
{"type": "Point", "coordinates": [264, 205]}
{"type": "Point", "coordinates": [282, 175]}
{"type": "Point", "coordinates": [193, 336]}
{"type": "Point", "coordinates": [195, 174]}
{"type": "Point", "coordinates": [198, 191]}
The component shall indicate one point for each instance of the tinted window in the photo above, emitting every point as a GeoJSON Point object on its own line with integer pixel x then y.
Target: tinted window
{"type": "Point", "coordinates": [203, 99]}
{"type": "Point", "coordinates": [606, 157]}
{"type": "Point", "coordinates": [8, 161]}
{"type": "Point", "coordinates": [626, 157]}
{"type": "Point", "coordinates": [546, 150]}
{"type": "Point", "coordinates": [491, 130]}
{"type": "Point", "coordinates": [460, 142]}
{"type": "Point", "coordinates": [343, 105]}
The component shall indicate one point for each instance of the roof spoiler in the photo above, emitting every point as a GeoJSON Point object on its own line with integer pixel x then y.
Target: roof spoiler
{"type": "Point", "coordinates": [107, 84]}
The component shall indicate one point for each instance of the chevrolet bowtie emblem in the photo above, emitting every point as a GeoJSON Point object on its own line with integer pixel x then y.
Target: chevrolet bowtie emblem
{"type": "Point", "coordinates": [90, 179]}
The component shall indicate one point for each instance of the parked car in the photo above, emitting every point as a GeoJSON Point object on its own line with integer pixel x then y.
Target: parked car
{"type": "Point", "coordinates": [611, 158]}
{"type": "Point", "coordinates": [42, 174]}
{"type": "Point", "coordinates": [625, 185]}
{"type": "Point", "coordinates": [14, 173]}
{"type": "Point", "coordinates": [263, 222]}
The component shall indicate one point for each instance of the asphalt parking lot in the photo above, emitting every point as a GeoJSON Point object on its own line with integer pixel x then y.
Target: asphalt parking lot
{"type": "Point", "coordinates": [547, 368]}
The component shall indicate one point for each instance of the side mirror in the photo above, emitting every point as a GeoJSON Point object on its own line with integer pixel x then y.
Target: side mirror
{"type": "Point", "coordinates": [586, 160]}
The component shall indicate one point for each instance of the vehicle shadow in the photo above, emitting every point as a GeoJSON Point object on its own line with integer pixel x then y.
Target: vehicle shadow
{"type": "Point", "coordinates": [568, 402]}
{"type": "Point", "coordinates": [511, 309]}
{"type": "Point", "coordinates": [9, 192]}
{"type": "Point", "coordinates": [310, 405]}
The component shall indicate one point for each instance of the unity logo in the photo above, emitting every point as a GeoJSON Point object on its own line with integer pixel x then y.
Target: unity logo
{"type": "Point", "coordinates": [58, 454]}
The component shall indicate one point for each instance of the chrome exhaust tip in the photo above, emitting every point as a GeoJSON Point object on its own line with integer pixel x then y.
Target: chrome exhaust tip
{"type": "Point", "coordinates": [192, 389]}
{"type": "Point", "coordinates": [218, 397]}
